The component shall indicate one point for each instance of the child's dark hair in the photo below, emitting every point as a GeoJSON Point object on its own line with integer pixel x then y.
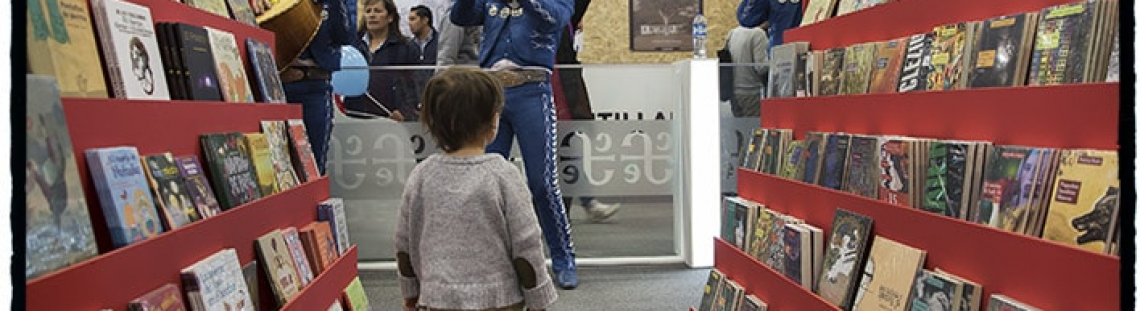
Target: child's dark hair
{"type": "Point", "coordinates": [459, 105]}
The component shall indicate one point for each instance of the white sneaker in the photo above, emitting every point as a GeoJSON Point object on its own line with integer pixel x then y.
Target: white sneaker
{"type": "Point", "coordinates": [600, 211]}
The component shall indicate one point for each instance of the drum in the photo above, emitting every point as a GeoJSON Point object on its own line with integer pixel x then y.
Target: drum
{"type": "Point", "coordinates": [294, 24]}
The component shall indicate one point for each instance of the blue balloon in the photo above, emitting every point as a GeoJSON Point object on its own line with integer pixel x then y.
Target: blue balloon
{"type": "Point", "coordinates": [352, 78]}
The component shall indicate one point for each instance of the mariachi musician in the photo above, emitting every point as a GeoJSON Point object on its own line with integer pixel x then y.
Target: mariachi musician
{"type": "Point", "coordinates": [307, 79]}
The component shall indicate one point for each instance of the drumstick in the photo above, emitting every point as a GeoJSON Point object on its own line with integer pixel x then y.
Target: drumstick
{"type": "Point", "coordinates": [378, 103]}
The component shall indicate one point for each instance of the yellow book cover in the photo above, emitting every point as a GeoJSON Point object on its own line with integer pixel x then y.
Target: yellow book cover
{"type": "Point", "coordinates": [764, 220]}
{"type": "Point", "coordinates": [947, 54]}
{"type": "Point", "coordinates": [888, 276]}
{"type": "Point", "coordinates": [355, 296]}
{"type": "Point", "coordinates": [817, 11]}
{"type": "Point", "coordinates": [1083, 207]}
{"type": "Point", "coordinates": [61, 42]}
{"type": "Point", "coordinates": [262, 160]}
{"type": "Point", "coordinates": [279, 150]}
{"type": "Point", "coordinates": [858, 62]}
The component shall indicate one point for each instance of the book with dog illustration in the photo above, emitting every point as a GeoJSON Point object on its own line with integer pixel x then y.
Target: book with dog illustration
{"type": "Point", "coordinates": [59, 230]}
{"type": "Point", "coordinates": [124, 194]}
{"type": "Point", "coordinates": [889, 275]}
{"type": "Point", "coordinates": [843, 257]}
{"type": "Point", "coordinates": [1083, 208]}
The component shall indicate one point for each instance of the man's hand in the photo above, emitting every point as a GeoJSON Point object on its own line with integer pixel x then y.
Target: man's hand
{"type": "Point", "coordinates": [396, 115]}
{"type": "Point", "coordinates": [410, 303]}
{"type": "Point", "coordinates": [260, 6]}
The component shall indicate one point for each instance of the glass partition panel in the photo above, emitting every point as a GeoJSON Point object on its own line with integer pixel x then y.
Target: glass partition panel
{"type": "Point", "coordinates": [618, 148]}
{"type": "Point", "coordinates": [743, 88]}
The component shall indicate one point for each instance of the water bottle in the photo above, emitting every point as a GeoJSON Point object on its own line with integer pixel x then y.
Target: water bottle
{"type": "Point", "coordinates": [700, 36]}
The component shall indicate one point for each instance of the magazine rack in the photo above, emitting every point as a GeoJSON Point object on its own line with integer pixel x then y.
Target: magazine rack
{"type": "Point", "coordinates": [116, 276]}
{"type": "Point", "coordinates": [1041, 273]}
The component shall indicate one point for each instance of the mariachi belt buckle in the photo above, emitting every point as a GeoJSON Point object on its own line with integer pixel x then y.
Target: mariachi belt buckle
{"type": "Point", "coordinates": [508, 78]}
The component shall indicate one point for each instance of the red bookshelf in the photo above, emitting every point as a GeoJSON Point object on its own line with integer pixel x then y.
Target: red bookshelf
{"type": "Point", "coordinates": [176, 11]}
{"type": "Point", "coordinates": [775, 289]}
{"type": "Point", "coordinates": [1042, 273]}
{"type": "Point", "coordinates": [901, 18]}
{"type": "Point", "coordinates": [328, 286]}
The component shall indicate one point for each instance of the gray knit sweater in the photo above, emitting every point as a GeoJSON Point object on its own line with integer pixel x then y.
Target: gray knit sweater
{"type": "Point", "coordinates": [466, 223]}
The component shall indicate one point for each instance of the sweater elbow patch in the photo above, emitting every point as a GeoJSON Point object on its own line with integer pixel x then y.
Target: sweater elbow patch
{"type": "Point", "coordinates": [404, 263]}
{"type": "Point", "coordinates": [526, 274]}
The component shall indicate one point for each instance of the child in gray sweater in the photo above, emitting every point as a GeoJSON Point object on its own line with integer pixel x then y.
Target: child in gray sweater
{"type": "Point", "coordinates": [468, 237]}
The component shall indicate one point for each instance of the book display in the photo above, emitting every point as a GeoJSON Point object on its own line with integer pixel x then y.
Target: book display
{"type": "Point", "coordinates": [155, 164]}
{"type": "Point", "coordinates": [957, 162]}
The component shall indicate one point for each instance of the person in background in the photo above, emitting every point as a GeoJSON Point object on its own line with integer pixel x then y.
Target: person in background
{"type": "Point", "coordinates": [748, 45]}
{"type": "Point", "coordinates": [577, 99]}
{"type": "Point", "coordinates": [307, 80]}
{"type": "Point", "coordinates": [781, 15]}
{"type": "Point", "coordinates": [467, 237]}
{"type": "Point", "coordinates": [520, 38]}
{"type": "Point", "coordinates": [458, 45]}
{"type": "Point", "coordinates": [423, 33]}
{"type": "Point", "coordinates": [391, 93]}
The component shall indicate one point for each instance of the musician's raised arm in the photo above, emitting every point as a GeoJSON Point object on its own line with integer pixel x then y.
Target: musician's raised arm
{"type": "Point", "coordinates": [468, 12]}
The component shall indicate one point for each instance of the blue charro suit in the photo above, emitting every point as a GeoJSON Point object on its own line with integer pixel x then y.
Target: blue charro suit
{"type": "Point", "coordinates": [527, 35]}
{"type": "Point", "coordinates": [315, 95]}
{"type": "Point", "coordinates": [781, 14]}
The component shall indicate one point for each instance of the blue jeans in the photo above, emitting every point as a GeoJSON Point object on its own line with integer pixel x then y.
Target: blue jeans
{"type": "Point", "coordinates": [315, 97]}
{"type": "Point", "coordinates": [529, 116]}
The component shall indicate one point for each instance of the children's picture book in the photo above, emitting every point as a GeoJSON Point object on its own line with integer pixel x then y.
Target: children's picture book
{"type": "Point", "coordinates": [124, 194]}
{"type": "Point", "coordinates": [59, 230]}
{"type": "Point", "coordinates": [273, 253]}
{"type": "Point", "coordinates": [169, 189]}
{"type": "Point", "coordinates": [297, 250]}
{"type": "Point", "coordinates": [61, 44]}
{"type": "Point", "coordinates": [229, 67]}
{"type": "Point", "coordinates": [130, 50]}
{"type": "Point", "coordinates": [219, 283]}
{"type": "Point", "coordinates": [164, 298]}
{"type": "Point", "coordinates": [265, 67]}
{"type": "Point", "coordinates": [355, 297]}
{"type": "Point", "coordinates": [198, 186]}
{"type": "Point", "coordinates": [332, 211]}
{"type": "Point", "coordinates": [275, 133]}
{"type": "Point", "coordinates": [845, 253]}
{"type": "Point", "coordinates": [303, 159]}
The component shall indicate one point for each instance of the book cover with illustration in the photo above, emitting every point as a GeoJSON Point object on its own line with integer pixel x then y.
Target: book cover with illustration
{"type": "Point", "coordinates": [894, 170]}
{"type": "Point", "coordinates": [889, 57]}
{"type": "Point", "coordinates": [124, 194]}
{"type": "Point", "coordinates": [355, 297]}
{"type": "Point", "coordinates": [711, 289]}
{"type": "Point", "coordinates": [61, 41]}
{"type": "Point", "coordinates": [265, 68]}
{"type": "Point", "coordinates": [843, 257]}
{"type": "Point", "coordinates": [797, 255]}
{"type": "Point", "coordinates": [813, 156]}
{"type": "Point", "coordinates": [999, 302]}
{"type": "Point", "coordinates": [773, 248]}
{"type": "Point", "coordinates": [242, 12]}
{"type": "Point", "coordinates": [782, 75]}
{"type": "Point", "coordinates": [1083, 208]}
{"type": "Point", "coordinates": [1001, 53]}
{"type": "Point", "coordinates": [231, 170]}
{"type": "Point", "coordinates": [262, 160]}
{"type": "Point", "coordinates": [793, 157]}
{"type": "Point", "coordinates": [971, 298]}
{"type": "Point", "coordinates": [834, 165]}
{"type": "Point", "coordinates": [279, 150]}
{"type": "Point", "coordinates": [949, 54]}
{"type": "Point", "coordinates": [805, 76]}
{"type": "Point", "coordinates": [858, 61]}
{"type": "Point", "coordinates": [862, 177]}
{"type": "Point", "coordinates": [170, 191]}
{"type": "Point", "coordinates": [320, 246]}
{"type": "Point", "coordinates": [753, 303]}
{"type": "Point", "coordinates": [817, 11]}
{"type": "Point", "coordinates": [219, 282]}
{"type": "Point", "coordinates": [303, 159]}
{"type": "Point", "coordinates": [164, 298]}
{"type": "Point", "coordinates": [297, 250]}
{"type": "Point", "coordinates": [218, 7]}
{"type": "Point", "coordinates": [200, 73]}
{"type": "Point", "coordinates": [130, 50]}
{"type": "Point", "coordinates": [745, 222]}
{"type": "Point", "coordinates": [751, 158]}
{"type": "Point", "coordinates": [948, 177]}
{"type": "Point", "coordinates": [888, 276]}
{"type": "Point", "coordinates": [831, 72]}
{"type": "Point", "coordinates": [1007, 186]}
{"type": "Point", "coordinates": [730, 295]}
{"type": "Point", "coordinates": [912, 76]}
{"type": "Point", "coordinates": [332, 211]}
{"type": "Point", "coordinates": [728, 220]}
{"type": "Point", "coordinates": [273, 253]}
{"type": "Point", "coordinates": [760, 229]}
{"type": "Point", "coordinates": [229, 66]}
{"type": "Point", "coordinates": [59, 230]}
{"type": "Point", "coordinates": [935, 291]}
{"type": "Point", "coordinates": [1063, 44]}
{"type": "Point", "coordinates": [198, 186]}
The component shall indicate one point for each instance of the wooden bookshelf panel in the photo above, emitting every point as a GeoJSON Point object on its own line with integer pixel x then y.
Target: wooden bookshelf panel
{"type": "Point", "coordinates": [1042, 273]}
{"type": "Point", "coordinates": [769, 285]}
{"type": "Point", "coordinates": [113, 279]}
{"type": "Point", "coordinates": [902, 18]}
{"type": "Point", "coordinates": [328, 286]}
{"type": "Point", "coordinates": [1063, 116]}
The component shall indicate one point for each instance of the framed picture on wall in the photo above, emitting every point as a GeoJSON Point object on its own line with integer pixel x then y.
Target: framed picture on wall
{"type": "Point", "coordinates": [662, 25]}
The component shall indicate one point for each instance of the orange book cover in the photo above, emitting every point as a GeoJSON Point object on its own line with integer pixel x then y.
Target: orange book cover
{"type": "Point", "coordinates": [888, 63]}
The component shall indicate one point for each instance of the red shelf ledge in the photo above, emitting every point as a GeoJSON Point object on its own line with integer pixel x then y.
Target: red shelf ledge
{"type": "Point", "coordinates": [902, 18]}
{"type": "Point", "coordinates": [327, 287]}
{"type": "Point", "coordinates": [111, 280]}
{"type": "Point", "coordinates": [761, 281]}
{"type": "Point", "coordinates": [1041, 273]}
{"type": "Point", "coordinates": [1063, 116]}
